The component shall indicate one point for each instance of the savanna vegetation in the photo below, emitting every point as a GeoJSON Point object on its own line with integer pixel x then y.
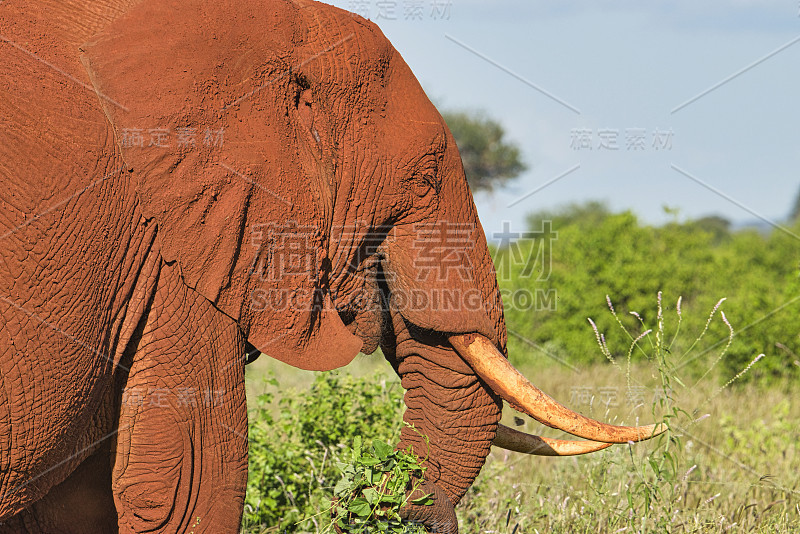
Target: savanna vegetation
{"type": "Point", "coordinates": [660, 346]}
{"type": "Point", "coordinates": [591, 252]}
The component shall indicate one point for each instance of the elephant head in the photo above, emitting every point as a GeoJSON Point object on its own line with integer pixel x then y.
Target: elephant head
{"type": "Point", "coordinates": [322, 205]}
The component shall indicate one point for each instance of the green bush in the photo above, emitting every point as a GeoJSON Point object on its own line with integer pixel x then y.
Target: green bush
{"type": "Point", "coordinates": [297, 437]}
{"type": "Point", "coordinates": [376, 483]}
{"type": "Point", "coordinates": [599, 253]}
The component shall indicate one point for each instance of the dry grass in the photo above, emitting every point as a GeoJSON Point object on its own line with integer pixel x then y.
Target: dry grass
{"type": "Point", "coordinates": [735, 470]}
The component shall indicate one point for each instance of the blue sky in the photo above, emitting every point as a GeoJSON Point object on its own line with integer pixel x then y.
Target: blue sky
{"type": "Point", "coordinates": [565, 76]}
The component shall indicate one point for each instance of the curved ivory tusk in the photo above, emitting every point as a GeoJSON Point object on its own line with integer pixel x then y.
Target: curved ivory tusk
{"type": "Point", "coordinates": [490, 364]}
{"type": "Point", "coordinates": [514, 440]}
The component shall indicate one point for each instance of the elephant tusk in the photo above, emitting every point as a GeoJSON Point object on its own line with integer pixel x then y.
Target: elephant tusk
{"type": "Point", "coordinates": [490, 364]}
{"type": "Point", "coordinates": [514, 440]}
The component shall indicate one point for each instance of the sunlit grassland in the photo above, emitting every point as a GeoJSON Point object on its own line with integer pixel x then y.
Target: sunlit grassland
{"type": "Point", "coordinates": [734, 470]}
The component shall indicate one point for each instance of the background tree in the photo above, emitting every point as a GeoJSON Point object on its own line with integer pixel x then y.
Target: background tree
{"type": "Point", "coordinates": [600, 252]}
{"type": "Point", "coordinates": [489, 160]}
{"type": "Point", "coordinates": [718, 227]}
{"type": "Point", "coordinates": [794, 214]}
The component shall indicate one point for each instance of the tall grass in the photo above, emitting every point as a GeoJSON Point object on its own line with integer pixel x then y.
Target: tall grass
{"type": "Point", "coordinates": [735, 471]}
{"type": "Point", "coordinates": [727, 463]}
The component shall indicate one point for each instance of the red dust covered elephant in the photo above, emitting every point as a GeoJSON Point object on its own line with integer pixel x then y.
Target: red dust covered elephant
{"type": "Point", "coordinates": [186, 181]}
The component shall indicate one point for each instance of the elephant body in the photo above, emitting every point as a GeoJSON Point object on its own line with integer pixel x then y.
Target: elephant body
{"type": "Point", "coordinates": [136, 268]}
{"type": "Point", "coordinates": [119, 403]}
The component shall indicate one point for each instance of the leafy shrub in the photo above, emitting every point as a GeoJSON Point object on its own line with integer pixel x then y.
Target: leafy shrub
{"type": "Point", "coordinates": [296, 438]}
{"type": "Point", "coordinates": [600, 253]}
{"type": "Point", "coordinates": [376, 482]}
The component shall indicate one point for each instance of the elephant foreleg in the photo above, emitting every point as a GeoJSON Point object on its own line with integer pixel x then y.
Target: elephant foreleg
{"type": "Point", "coordinates": [181, 455]}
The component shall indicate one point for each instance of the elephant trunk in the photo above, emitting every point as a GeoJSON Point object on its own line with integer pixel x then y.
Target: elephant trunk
{"type": "Point", "coordinates": [439, 517]}
{"type": "Point", "coordinates": [439, 281]}
{"type": "Point", "coordinates": [445, 336]}
{"type": "Point", "coordinates": [451, 418]}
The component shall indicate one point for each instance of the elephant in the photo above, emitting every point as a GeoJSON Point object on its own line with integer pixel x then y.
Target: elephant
{"type": "Point", "coordinates": [186, 184]}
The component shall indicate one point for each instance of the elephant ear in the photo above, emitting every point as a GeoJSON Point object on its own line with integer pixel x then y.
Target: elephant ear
{"type": "Point", "coordinates": [220, 137]}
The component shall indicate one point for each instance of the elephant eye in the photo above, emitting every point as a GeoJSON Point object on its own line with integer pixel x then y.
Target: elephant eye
{"type": "Point", "coordinates": [425, 184]}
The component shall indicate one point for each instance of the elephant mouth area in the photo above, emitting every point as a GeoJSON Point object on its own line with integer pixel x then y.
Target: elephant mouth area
{"type": "Point", "coordinates": [363, 309]}
{"type": "Point", "coordinates": [371, 313]}
{"type": "Point", "coordinates": [251, 353]}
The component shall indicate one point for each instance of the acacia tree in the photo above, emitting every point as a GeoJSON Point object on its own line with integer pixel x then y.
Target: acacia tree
{"type": "Point", "coordinates": [489, 160]}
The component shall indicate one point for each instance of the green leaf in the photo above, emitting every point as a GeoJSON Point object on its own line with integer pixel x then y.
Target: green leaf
{"type": "Point", "coordinates": [360, 507]}
{"type": "Point", "coordinates": [342, 487]}
{"type": "Point", "coordinates": [425, 500]}
{"type": "Point", "coordinates": [372, 495]}
{"type": "Point", "coordinates": [392, 498]}
{"type": "Point", "coordinates": [382, 450]}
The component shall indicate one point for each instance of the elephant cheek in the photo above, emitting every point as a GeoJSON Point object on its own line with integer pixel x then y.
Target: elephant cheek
{"type": "Point", "coordinates": [436, 294]}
